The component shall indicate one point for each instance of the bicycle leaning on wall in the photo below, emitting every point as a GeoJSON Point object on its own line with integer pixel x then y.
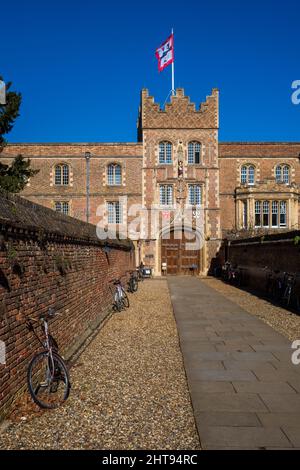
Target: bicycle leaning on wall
{"type": "Point", "coordinates": [133, 282]}
{"type": "Point", "coordinates": [120, 298]}
{"type": "Point", "coordinates": [47, 376]}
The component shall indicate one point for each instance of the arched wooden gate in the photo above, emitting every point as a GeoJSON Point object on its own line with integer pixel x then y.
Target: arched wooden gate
{"type": "Point", "coordinates": [177, 255]}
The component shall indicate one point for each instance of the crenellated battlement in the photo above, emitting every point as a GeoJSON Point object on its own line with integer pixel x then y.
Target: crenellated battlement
{"type": "Point", "coordinates": [179, 112]}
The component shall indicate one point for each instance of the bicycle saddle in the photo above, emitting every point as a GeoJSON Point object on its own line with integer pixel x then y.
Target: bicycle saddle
{"type": "Point", "coordinates": [50, 314]}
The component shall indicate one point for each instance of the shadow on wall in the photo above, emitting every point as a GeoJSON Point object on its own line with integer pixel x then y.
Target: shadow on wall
{"type": "Point", "coordinates": [259, 256]}
{"type": "Point", "coordinates": [51, 260]}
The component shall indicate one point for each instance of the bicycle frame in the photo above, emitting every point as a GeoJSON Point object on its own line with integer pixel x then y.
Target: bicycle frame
{"type": "Point", "coordinates": [119, 291]}
{"type": "Point", "coordinates": [46, 344]}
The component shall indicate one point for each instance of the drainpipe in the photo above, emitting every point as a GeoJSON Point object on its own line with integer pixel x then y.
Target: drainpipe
{"type": "Point", "coordinates": [87, 159]}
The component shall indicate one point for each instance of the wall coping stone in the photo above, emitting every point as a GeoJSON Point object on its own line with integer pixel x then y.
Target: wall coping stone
{"type": "Point", "coordinates": [23, 215]}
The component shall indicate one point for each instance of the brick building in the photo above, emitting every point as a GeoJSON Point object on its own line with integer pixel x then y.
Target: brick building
{"type": "Point", "coordinates": [177, 162]}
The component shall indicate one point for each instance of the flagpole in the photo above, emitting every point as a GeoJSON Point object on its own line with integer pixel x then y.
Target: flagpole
{"type": "Point", "coordinates": [173, 80]}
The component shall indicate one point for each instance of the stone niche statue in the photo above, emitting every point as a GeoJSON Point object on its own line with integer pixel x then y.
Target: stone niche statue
{"type": "Point", "coordinates": [180, 168]}
{"type": "Point", "coordinates": [180, 161]}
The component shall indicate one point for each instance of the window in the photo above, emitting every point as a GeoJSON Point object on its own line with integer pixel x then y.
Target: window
{"type": "Point", "coordinates": [282, 213]}
{"type": "Point", "coordinates": [251, 172]}
{"type": "Point", "coordinates": [114, 212]}
{"type": "Point", "coordinates": [165, 152]}
{"type": "Point", "coordinates": [274, 214]}
{"type": "Point", "coordinates": [194, 152]}
{"type": "Point", "coordinates": [62, 175]}
{"type": "Point", "coordinates": [244, 173]}
{"type": "Point", "coordinates": [277, 217]}
{"type": "Point", "coordinates": [266, 214]}
{"type": "Point", "coordinates": [114, 174]}
{"type": "Point", "coordinates": [62, 206]}
{"type": "Point", "coordinates": [257, 214]}
{"type": "Point", "coordinates": [166, 195]}
{"type": "Point", "coordinates": [247, 174]}
{"type": "Point", "coordinates": [282, 174]}
{"type": "Point", "coordinates": [195, 194]}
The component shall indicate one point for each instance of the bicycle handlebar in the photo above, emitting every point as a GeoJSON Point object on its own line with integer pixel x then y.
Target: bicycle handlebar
{"type": "Point", "coordinates": [44, 316]}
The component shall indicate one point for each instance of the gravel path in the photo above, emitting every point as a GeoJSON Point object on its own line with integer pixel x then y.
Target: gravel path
{"type": "Point", "coordinates": [283, 321]}
{"type": "Point", "coordinates": [129, 388]}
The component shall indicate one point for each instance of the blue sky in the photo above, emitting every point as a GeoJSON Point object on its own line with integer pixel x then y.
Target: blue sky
{"type": "Point", "coordinates": [80, 65]}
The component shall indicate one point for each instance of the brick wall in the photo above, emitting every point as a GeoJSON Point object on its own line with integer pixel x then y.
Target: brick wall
{"type": "Point", "coordinates": [45, 157]}
{"type": "Point", "coordinates": [259, 256]}
{"type": "Point", "coordinates": [47, 259]}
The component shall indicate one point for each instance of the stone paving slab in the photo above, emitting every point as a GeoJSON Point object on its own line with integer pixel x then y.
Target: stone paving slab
{"type": "Point", "coordinates": [241, 402]}
{"type": "Point", "coordinates": [244, 388]}
{"type": "Point", "coordinates": [263, 387]}
{"type": "Point", "coordinates": [245, 437]}
{"type": "Point", "coordinates": [282, 419]}
{"type": "Point", "coordinates": [228, 418]}
{"type": "Point", "coordinates": [249, 365]}
{"type": "Point", "coordinates": [210, 386]}
{"type": "Point", "coordinates": [221, 375]}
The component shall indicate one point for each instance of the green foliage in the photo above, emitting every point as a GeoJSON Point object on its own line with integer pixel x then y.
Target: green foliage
{"type": "Point", "coordinates": [296, 240]}
{"type": "Point", "coordinates": [14, 178]}
{"type": "Point", "coordinates": [11, 252]}
{"type": "Point", "coordinates": [8, 112]}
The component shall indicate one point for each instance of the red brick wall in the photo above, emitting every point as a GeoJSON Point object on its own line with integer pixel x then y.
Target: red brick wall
{"type": "Point", "coordinates": [44, 157]}
{"type": "Point", "coordinates": [70, 274]}
{"type": "Point", "coordinates": [261, 256]}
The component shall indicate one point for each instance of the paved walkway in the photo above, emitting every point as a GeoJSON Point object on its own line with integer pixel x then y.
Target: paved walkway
{"type": "Point", "coordinates": [245, 390]}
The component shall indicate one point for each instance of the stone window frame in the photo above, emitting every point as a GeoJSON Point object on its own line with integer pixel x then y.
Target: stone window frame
{"type": "Point", "coordinates": [201, 152]}
{"type": "Point", "coordinates": [167, 205]}
{"type": "Point", "coordinates": [165, 141]}
{"type": "Point", "coordinates": [201, 185]}
{"type": "Point", "coordinates": [53, 173]}
{"type": "Point", "coordinates": [115, 164]}
{"type": "Point", "coordinates": [59, 201]}
{"type": "Point", "coordinates": [121, 212]}
{"type": "Point", "coordinates": [104, 168]}
{"type": "Point", "coordinates": [283, 165]}
{"type": "Point", "coordinates": [247, 165]}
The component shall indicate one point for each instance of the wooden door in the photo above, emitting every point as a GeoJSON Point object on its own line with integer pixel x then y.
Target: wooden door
{"type": "Point", "coordinates": [179, 259]}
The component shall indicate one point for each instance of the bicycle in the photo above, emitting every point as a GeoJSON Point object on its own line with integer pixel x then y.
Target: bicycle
{"type": "Point", "coordinates": [290, 296]}
{"type": "Point", "coordinates": [47, 375]}
{"type": "Point", "coordinates": [231, 274]}
{"type": "Point", "coordinates": [133, 282]}
{"type": "Point", "coordinates": [140, 274]}
{"type": "Point", "coordinates": [275, 286]}
{"type": "Point", "coordinates": [120, 297]}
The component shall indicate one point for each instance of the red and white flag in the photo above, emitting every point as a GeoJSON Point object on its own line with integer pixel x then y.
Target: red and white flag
{"type": "Point", "coordinates": [165, 53]}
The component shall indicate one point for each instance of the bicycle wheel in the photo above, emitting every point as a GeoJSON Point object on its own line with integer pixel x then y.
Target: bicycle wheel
{"type": "Point", "coordinates": [130, 286]}
{"type": "Point", "coordinates": [118, 303]}
{"type": "Point", "coordinates": [48, 380]}
{"type": "Point", "coordinates": [287, 296]}
{"type": "Point", "coordinates": [135, 284]}
{"type": "Point", "coordinates": [124, 299]}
